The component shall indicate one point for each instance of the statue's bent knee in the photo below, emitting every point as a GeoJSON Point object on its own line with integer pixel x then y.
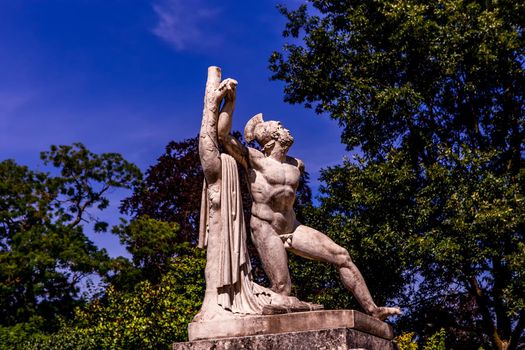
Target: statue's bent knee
{"type": "Point", "coordinates": [343, 257]}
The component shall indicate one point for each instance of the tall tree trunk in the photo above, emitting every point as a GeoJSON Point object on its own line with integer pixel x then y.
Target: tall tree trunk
{"type": "Point", "coordinates": [488, 323]}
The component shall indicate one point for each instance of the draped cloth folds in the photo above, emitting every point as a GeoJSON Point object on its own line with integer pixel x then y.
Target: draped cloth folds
{"type": "Point", "coordinates": [236, 290]}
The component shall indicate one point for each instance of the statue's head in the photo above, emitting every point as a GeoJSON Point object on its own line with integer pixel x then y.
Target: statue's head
{"type": "Point", "coordinates": [267, 133]}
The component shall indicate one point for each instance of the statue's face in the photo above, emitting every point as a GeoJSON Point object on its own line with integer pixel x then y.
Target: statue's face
{"type": "Point", "coordinates": [280, 134]}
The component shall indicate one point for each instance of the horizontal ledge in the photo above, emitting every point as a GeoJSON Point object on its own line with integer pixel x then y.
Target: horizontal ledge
{"type": "Point", "coordinates": [249, 325]}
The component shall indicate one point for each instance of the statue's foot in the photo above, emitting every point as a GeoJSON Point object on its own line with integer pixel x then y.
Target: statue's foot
{"type": "Point", "coordinates": [282, 304]}
{"type": "Point", "coordinates": [314, 307]}
{"type": "Point", "coordinates": [382, 313]}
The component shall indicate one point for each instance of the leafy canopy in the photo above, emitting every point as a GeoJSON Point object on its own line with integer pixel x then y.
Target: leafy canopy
{"type": "Point", "coordinates": [432, 95]}
{"type": "Point", "coordinates": [151, 316]}
{"type": "Point", "coordinates": [44, 253]}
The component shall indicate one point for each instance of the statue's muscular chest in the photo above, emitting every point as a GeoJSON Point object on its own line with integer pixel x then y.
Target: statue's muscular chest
{"type": "Point", "coordinates": [274, 173]}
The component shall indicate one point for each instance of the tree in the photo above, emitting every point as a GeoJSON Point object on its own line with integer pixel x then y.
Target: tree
{"type": "Point", "coordinates": [171, 189]}
{"type": "Point", "coordinates": [147, 317]}
{"type": "Point", "coordinates": [353, 209]}
{"type": "Point", "coordinates": [432, 93]}
{"type": "Point", "coordinates": [152, 245]}
{"type": "Point", "coordinates": [44, 253]}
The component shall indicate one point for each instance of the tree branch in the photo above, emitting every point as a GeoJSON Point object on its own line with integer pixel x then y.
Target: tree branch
{"type": "Point", "coordinates": [518, 332]}
{"type": "Point", "coordinates": [83, 207]}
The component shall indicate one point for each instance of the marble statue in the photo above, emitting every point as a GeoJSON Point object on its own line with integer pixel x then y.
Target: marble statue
{"type": "Point", "coordinates": [273, 178]}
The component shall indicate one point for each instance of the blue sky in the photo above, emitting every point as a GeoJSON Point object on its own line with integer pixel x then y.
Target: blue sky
{"type": "Point", "coordinates": [128, 76]}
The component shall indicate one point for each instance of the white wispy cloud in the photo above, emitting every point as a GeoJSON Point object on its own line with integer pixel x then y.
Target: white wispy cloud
{"type": "Point", "coordinates": [187, 25]}
{"type": "Point", "coordinates": [10, 101]}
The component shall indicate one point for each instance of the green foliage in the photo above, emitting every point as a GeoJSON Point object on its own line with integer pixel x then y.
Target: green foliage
{"type": "Point", "coordinates": [66, 338]}
{"type": "Point", "coordinates": [433, 94]}
{"type": "Point", "coordinates": [435, 342]}
{"type": "Point", "coordinates": [170, 189]}
{"type": "Point", "coordinates": [148, 317]}
{"type": "Point", "coordinates": [406, 341]}
{"type": "Point", "coordinates": [409, 70]}
{"type": "Point", "coordinates": [44, 254]}
{"type": "Point", "coordinates": [152, 244]}
{"type": "Point", "coordinates": [457, 231]}
{"type": "Point", "coordinates": [19, 336]}
{"type": "Point", "coordinates": [468, 252]}
{"type": "Point", "coordinates": [152, 316]}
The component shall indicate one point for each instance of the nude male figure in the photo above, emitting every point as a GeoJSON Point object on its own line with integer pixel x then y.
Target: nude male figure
{"type": "Point", "coordinates": [274, 177]}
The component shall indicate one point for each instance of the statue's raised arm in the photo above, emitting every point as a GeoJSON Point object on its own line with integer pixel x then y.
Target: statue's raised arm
{"type": "Point", "coordinates": [232, 146]}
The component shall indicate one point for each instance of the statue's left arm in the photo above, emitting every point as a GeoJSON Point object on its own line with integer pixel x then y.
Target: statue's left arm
{"type": "Point", "coordinates": [300, 165]}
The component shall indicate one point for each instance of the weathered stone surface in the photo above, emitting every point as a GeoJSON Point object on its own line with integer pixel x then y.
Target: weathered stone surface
{"type": "Point", "coordinates": [294, 322]}
{"type": "Point", "coordinates": [338, 338]}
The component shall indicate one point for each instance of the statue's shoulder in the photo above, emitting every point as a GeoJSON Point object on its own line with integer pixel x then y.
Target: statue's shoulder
{"type": "Point", "coordinates": [254, 153]}
{"type": "Point", "coordinates": [255, 157]}
{"type": "Point", "coordinates": [295, 162]}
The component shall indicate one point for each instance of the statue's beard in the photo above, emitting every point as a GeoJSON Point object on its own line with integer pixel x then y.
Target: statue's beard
{"type": "Point", "coordinates": [285, 140]}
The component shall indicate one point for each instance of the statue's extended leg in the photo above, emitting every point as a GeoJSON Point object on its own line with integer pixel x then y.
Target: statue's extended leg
{"type": "Point", "coordinates": [313, 244]}
{"type": "Point", "coordinates": [273, 255]}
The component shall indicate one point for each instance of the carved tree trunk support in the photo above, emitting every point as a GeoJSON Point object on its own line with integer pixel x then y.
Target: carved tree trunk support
{"type": "Point", "coordinates": [211, 164]}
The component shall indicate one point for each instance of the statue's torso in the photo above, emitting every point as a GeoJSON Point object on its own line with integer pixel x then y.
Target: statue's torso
{"type": "Point", "coordinates": [273, 185]}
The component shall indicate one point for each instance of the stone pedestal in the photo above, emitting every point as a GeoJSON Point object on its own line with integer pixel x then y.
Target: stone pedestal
{"type": "Point", "coordinates": [325, 329]}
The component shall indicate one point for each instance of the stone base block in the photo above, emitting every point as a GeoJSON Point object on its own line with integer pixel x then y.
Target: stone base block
{"type": "Point", "coordinates": [326, 339]}
{"type": "Point", "coordinates": [323, 329]}
{"type": "Point", "coordinates": [293, 322]}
